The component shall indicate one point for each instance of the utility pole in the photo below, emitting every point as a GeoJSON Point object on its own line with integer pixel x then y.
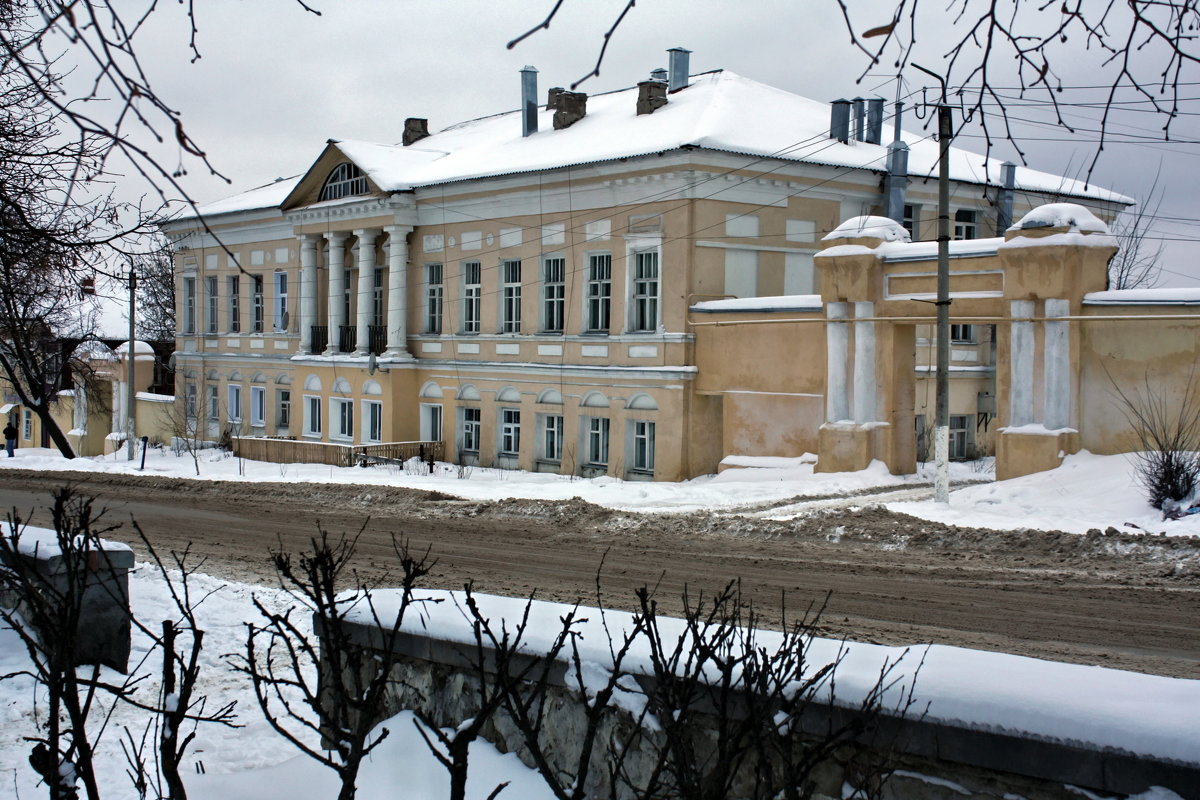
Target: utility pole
{"type": "Point", "coordinates": [941, 434]}
{"type": "Point", "coordinates": [130, 393]}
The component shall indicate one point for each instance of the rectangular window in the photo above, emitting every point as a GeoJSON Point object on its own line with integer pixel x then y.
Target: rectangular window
{"type": "Point", "coordinates": [281, 301]}
{"type": "Point", "coordinates": [597, 440]}
{"type": "Point", "coordinates": [377, 298]}
{"type": "Point", "coordinates": [645, 291]}
{"type": "Point", "coordinates": [214, 404]}
{"type": "Point", "coordinates": [965, 226]}
{"type": "Point", "coordinates": [27, 425]}
{"type": "Point", "coordinates": [960, 436]}
{"type": "Point", "coordinates": [235, 403]}
{"type": "Point", "coordinates": [510, 431]}
{"type": "Point", "coordinates": [258, 303]}
{"type": "Point", "coordinates": [911, 221]}
{"type": "Point", "coordinates": [554, 273]}
{"type": "Point", "coordinates": [599, 292]}
{"type": "Point", "coordinates": [471, 426]}
{"type": "Point", "coordinates": [431, 423]}
{"type": "Point", "coordinates": [510, 293]}
{"type": "Point", "coordinates": [373, 412]}
{"type": "Point", "coordinates": [962, 333]}
{"type": "Point", "coordinates": [433, 298]}
{"type": "Point", "coordinates": [258, 406]}
{"type": "Point", "coordinates": [472, 293]}
{"type": "Point", "coordinates": [552, 437]}
{"type": "Point", "coordinates": [210, 306]}
{"type": "Point", "coordinates": [643, 446]}
{"type": "Point", "coordinates": [189, 401]}
{"type": "Point", "coordinates": [235, 303]}
{"type": "Point", "coordinates": [283, 408]}
{"type": "Point", "coordinates": [189, 305]}
{"type": "Point", "coordinates": [312, 416]}
{"type": "Point", "coordinates": [342, 416]}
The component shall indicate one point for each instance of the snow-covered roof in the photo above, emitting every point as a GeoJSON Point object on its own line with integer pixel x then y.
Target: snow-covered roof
{"type": "Point", "coordinates": [1182, 296]}
{"type": "Point", "coordinates": [794, 302]}
{"type": "Point", "coordinates": [719, 110]}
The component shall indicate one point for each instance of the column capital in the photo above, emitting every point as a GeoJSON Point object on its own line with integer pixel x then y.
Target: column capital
{"type": "Point", "coordinates": [398, 230]}
{"type": "Point", "coordinates": [366, 234]}
{"type": "Point", "coordinates": [337, 238]}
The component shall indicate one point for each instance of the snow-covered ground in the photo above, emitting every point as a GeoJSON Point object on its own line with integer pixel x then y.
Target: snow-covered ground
{"type": "Point", "coordinates": [1087, 491]}
{"type": "Point", "coordinates": [1072, 703]}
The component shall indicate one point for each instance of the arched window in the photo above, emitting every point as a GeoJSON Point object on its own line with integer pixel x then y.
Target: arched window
{"type": "Point", "coordinates": [346, 180]}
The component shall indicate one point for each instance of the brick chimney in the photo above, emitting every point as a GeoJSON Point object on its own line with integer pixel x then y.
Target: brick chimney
{"type": "Point", "coordinates": [415, 129]}
{"type": "Point", "coordinates": [552, 97]}
{"type": "Point", "coordinates": [570, 107]}
{"type": "Point", "coordinates": [652, 94]}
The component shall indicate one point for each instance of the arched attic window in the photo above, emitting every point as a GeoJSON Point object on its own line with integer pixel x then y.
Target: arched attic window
{"type": "Point", "coordinates": [345, 180]}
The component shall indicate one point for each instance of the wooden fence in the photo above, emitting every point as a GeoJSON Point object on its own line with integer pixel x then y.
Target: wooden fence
{"type": "Point", "coordinates": [293, 451]}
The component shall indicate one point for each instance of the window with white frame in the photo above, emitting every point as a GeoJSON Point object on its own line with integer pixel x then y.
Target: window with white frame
{"type": "Point", "coordinates": [377, 298]}
{"type": "Point", "coordinates": [345, 180]}
{"type": "Point", "coordinates": [210, 306]}
{"type": "Point", "coordinates": [960, 436]}
{"type": "Point", "coordinates": [189, 305]}
{"type": "Point", "coordinates": [27, 425]}
{"type": "Point", "coordinates": [599, 292]}
{"type": "Point", "coordinates": [596, 440]}
{"type": "Point", "coordinates": [470, 429]}
{"type": "Point", "coordinates": [510, 296]}
{"type": "Point", "coordinates": [347, 295]}
{"type": "Point", "coordinates": [372, 421]}
{"type": "Point", "coordinates": [431, 422]}
{"type": "Point", "coordinates": [644, 314]}
{"type": "Point", "coordinates": [965, 224]}
{"type": "Point", "coordinates": [341, 415]}
{"type": "Point", "coordinates": [643, 445]}
{"type": "Point", "coordinates": [472, 294]}
{"type": "Point", "coordinates": [912, 221]}
{"type": "Point", "coordinates": [433, 298]}
{"type": "Point", "coordinates": [235, 303]}
{"type": "Point", "coordinates": [962, 333]}
{"type": "Point", "coordinates": [257, 303]}
{"type": "Point", "coordinates": [234, 405]}
{"type": "Point", "coordinates": [281, 301]}
{"type": "Point", "coordinates": [312, 415]}
{"type": "Point", "coordinates": [214, 403]}
{"type": "Point", "coordinates": [510, 431]}
{"type": "Point", "coordinates": [554, 273]}
{"type": "Point", "coordinates": [552, 437]}
{"type": "Point", "coordinates": [189, 401]}
{"type": "Point", "coordinates": [258, 406]}
{"type": "Point", "coordinates": [283, 408]}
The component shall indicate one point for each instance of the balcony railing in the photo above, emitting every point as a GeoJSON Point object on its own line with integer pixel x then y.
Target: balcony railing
{"type": "Point", "coordinates": [346, 338]}
{"type": "Point", "coordinates": [320, 338]}
{"type": "Point", "coordinates": [377, 338]}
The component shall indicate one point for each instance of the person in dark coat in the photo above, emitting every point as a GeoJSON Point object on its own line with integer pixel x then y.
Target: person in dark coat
{"type": "Point", "coordinates": [10, 439]}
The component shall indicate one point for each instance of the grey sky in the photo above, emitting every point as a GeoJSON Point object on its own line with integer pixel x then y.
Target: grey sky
{"type": "Point", "coordinates": [275, 82]}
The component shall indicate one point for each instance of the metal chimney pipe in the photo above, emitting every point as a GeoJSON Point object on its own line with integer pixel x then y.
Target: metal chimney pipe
{"type": "Point", "coordinates": [839, 120]}
{"type": "Point", "coordinates": [1008, 176]}
{"type": "Point", "coordinates": [875, 120]}
{"type": "Point", "coordinates": [529, 105]}
{"type": "Point", "coordinates": [678, 68]}
{"type": "Point", "coordinates": [860, 119]}
{"type": "Point", "coordinates": [897, 133]}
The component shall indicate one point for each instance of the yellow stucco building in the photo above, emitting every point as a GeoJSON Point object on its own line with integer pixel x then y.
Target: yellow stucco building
{"type": "Point", "coordinates": [639, 283]}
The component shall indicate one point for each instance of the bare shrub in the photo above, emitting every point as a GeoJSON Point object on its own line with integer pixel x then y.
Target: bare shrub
{"type": "Point", "coordinates": [1168, 434]}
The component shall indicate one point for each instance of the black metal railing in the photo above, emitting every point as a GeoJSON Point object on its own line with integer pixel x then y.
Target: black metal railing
{"type": "Point", "coordinates": [346, 338]}
{"type": "Point", "coordinates": [320, 338]}
{"type": "Point", "coordinates": [377, 337]}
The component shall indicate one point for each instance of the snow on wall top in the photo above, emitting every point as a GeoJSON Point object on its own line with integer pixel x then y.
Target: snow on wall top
{"type": "Point", "coordinates": [1062, 215]}
{"type": "Point", "coordinates": [1188, 295]}
{"type": "Point", "coordinates": [794, 302]}
{"type": "Point", "coordinates": [874, 227]}
{"type": "Point", "coordinates": [719, 110]}
{"type": "Point", "coordinates": [139, 347]}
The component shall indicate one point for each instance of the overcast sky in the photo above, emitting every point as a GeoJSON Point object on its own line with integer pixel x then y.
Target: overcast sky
{"type": "Point", "coordinates": [275, 82]}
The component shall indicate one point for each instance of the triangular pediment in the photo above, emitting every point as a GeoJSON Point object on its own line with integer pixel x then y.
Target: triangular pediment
{"type": "Point", "coordinates": [307, 191]}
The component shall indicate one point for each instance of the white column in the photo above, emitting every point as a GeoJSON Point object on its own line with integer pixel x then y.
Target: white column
{"type": "Point", "coordinates": [397, 305]}
{"type": "Point", "coordinates": [366, 280]}
{"type": "Point", "coordinates": [337, 289]}
{"type": "Point", "coordinates": [308, 290]}
{"type": "Point", "coordinates": [1056, 362]}
{"type": "Point", "coordinates": [865, 381]}
{"type": "Point", "coordinates": [837, 344]}
{"type": "Point", "coordinates": [1020, 363]}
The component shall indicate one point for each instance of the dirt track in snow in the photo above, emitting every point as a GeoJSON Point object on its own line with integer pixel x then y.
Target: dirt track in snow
{"type": "Point", "coordinates": [1118, 599]}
